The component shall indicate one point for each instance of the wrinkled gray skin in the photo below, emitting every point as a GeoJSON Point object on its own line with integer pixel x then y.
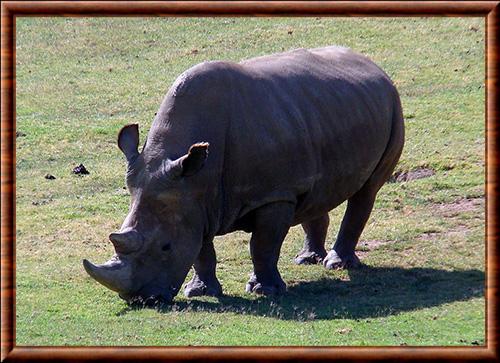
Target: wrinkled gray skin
{"type": "Point", "coordinates": [291, 136]}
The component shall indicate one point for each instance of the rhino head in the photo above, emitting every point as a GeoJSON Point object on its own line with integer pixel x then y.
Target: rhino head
{"type": "Point", "coordinates": [163, 231]}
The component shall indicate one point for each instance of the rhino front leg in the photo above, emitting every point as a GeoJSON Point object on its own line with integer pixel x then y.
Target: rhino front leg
{"type": "Point", "coordinates": [272, 223]}
{"type": "Point", "coordinates": [314, 251]}
{"type": "Point", "coordinates": [204, 281]}
{"type": "Point", "coordinates": [342, 255]}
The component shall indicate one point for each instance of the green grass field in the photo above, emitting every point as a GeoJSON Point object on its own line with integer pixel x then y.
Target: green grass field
{"type": "Point", "coordinates": [80, 80]}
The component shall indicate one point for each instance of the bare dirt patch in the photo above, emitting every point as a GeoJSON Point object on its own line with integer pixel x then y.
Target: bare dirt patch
{"type": "Point", "coordinates": [419, 173]}
{"type": "Point", "coordinates": [461, 205]}
{"type": "Point", "coordinates": [450, 210]}
{"type": "Point", "coordinates": [367, 246]}
{"type": "Point", "coordinates": [457, 231]}
{"type": "Point", "coordinates": [362, 254]}
{"type": "Point", "coordinates": [373, 244]}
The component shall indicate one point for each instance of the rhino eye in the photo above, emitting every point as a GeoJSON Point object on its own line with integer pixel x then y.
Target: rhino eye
{"type": "Point", "coordinates": [165, 247]}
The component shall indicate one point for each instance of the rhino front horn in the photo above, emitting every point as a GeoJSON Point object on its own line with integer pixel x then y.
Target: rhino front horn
{"type": "Point", "coordinates": [114, 274]}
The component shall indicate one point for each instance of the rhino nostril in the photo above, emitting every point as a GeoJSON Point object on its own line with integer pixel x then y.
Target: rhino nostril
{"type": "Point", "coordinates": [165, 247]}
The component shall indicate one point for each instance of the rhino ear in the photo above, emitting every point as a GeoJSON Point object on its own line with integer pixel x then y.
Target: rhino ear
{"type": "Point", "coordinates": [193, 161]}
{"type": "Point", "coordinates": [128, 141]}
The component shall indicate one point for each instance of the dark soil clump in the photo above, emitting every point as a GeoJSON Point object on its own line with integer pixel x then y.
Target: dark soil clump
{"type": "Point", "coordinates": [80, 170]}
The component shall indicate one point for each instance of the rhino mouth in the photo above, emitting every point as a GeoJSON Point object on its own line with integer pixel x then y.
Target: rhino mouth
{"type": "Point", "coordinates": [151, 295]}
{"type": "Point", "coordinates": [151, 301]}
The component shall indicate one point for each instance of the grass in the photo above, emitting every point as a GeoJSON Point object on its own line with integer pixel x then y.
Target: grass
{"type": "Point", "coordinates": [80, 79]}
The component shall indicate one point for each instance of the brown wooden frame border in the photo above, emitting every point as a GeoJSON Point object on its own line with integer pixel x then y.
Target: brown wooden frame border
{"type": "Point", "coordinates": [10, 9]}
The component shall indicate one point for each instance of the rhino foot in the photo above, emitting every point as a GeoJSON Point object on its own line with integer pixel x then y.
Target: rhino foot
{"type": "Point", "coordinates": [277, 287]}
{"type": "Point", "coordinates": [197, 287]}
{"type": "Point", "coordinates": [309, 257]}
{"type": "Point", "coordinates": [333, 261]}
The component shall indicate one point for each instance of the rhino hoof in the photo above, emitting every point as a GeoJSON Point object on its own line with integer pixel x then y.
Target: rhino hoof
{"type": "Point", "coordinates": [196, 287]}
{"type": "Point", "coordinates": [333, 261]}
{"type": "Point", "coordinates": [309, 258]}
{"type": "Point", "coordinates": [266, 290]}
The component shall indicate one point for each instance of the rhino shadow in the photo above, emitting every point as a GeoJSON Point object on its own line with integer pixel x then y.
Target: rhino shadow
{"type": "Point", "coordinates": [369, 292]}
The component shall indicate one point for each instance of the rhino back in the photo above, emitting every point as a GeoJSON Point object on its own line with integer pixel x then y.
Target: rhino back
{"type": "Point", "coordinates": [307, 127]}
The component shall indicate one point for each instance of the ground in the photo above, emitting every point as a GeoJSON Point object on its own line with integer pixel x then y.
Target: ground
{"type": "Point", "coordinates": [79, 80]}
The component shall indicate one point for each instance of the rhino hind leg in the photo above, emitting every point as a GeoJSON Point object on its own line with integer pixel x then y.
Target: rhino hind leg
{"type": "Point", "coordinates": [359, 208]}
{"type": "Point", "coordinates": [314, 251]}
{"type": "Point", "coordinates": [204, 281]}
{"type": "Point", "coordinates": [342, 255]}
{"type": "Point", "coordinates": [271, 224]}
{"type": "Point", "coordinates": [360, 205]}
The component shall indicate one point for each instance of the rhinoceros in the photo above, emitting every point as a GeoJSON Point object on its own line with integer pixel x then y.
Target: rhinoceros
{"type": "Point", "coordinates": [259, 146]}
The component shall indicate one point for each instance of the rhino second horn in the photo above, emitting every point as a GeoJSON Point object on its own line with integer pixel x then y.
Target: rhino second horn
{"type": "Point", "coordinates": [114, 274]}
{"type": "Point", "coordinates": [126, 242]}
